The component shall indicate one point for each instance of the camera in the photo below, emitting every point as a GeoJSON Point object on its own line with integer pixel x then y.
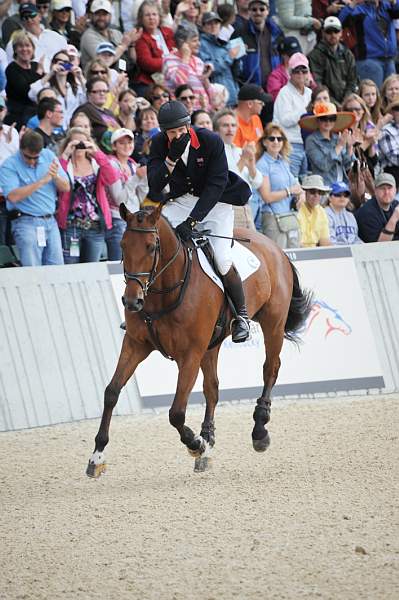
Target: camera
{"type": "Point", "coordinates": [67, 66]}
{"type": "Point", "coordinates": [80, 146]}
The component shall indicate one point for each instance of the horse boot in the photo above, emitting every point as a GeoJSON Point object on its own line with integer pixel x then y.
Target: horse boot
{"type": "Point", "coordinates": [240, 324]}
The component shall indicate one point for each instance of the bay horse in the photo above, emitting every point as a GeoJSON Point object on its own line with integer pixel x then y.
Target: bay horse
{"type": "Point", "coordinates": [171, 305]}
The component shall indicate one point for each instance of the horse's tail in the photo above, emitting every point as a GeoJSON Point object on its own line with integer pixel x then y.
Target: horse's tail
{"type": "Point", "coordinates": [300, 306]}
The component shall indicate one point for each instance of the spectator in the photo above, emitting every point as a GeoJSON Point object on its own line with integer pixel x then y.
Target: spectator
{"type": "Point", "coordinates": [100, 31]}
{"type": "Point", "coordinates": [312, 217]}
{"type": "Point", "coordinates": [342, 223]}
{"type": "Point", "coordinates": [103, 121]}
{"type": "Point", "coordinates": [242, 16]}
{"type": "Point", "coordinates": [378, 218]}
{"type": "Point", "coordinates": [147, 122]}
{"type": "Point", "coordinates": [279, 190]}
{"type": "Point", "coordinates": [261, 36]}
{"type": "Point", "coordinates": [153, 46]}
{"type": "Point", "coordinates": [214, 52]}
{"type": "Point", "coordinates": [12, 23]}
{"type": "Point", "coordinates": [21, 73]}
{"type": "Point", "coordinates": [30, 180]}
{"type": "Point", "coordinates": [68, 83]}
{"type": "Point", "coordinates": [370, 93]}
{"type": "Point", "coordinates": [333, 64]}
{"type": "Point", "coordinates": [157, 95]}
{"type": "Point", "coordinates": [81, 120]}
{"type": "Point", "coordinates": [279, 77]}
{"type": "Point", "coordinates": [290, 105]}
{"type": "Point", "coordinates": [295, 18]}
{"type": "Point", "coordinates": [185, 94]}
{"type": "Point", "coordinates": [365, 134]}
{"type": "Point", "coordinates": [189, 12]}
{"type": "Point", "coordinates": [51, 115]}
{"type": "Point", "coordinates": [376, 37]}
{"type": "Point", "coordinates": [34, 121]}
{"type": "Point", "coordinates": [61, 12]}
{"type": "Point", "coordinates": [329, 149]}
{"type": "Point", "coordinates": [184, 67]}
{"type": "Point", "coordinates": [388, 143]}
{"type": "Point", "coordinates": [9, 144]}
{"type": "Point", "coordinates": [46, 42]}
{"type": "Point", "coordinates": [43, 7]}
{"type": "Point", "coordinates": [389, 89]}
{"type": "Point", "coordinates": [123, 190]}
{"type": "Point", "coordinates": [116, 82]}
{"type": "Point", "coordinates": [201, 118]}
{"type": "Point", "coordinates": [83, 213]}
{"type": "Point", "coordinates": [127, 102]}
{"type": "Point", "coordinates": [239, 160]}
{"type": "Point", "coordinates": [251, 100]}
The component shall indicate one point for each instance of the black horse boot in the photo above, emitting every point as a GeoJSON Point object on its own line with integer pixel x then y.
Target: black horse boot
{"type": "Point", "coordinates": [240, 324]}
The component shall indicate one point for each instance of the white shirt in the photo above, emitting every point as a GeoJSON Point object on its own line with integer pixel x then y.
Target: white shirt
{"type": "Point", "coordinates": [233, 154]}
{"type": "Point", "coordinates": [289, 107]}
{"type": "Point", "coordinates": [8, 148]}
{"type": "Point", "coordinates": [46, 44]}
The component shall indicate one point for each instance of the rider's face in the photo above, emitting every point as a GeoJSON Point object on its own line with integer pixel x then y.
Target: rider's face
{"type": "Point", "coordinates": [177, 132]}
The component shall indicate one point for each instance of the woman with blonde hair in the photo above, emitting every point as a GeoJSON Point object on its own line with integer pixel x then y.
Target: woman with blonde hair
{"type": "Point", "coordinates": [117, 82]}
{"type": "Point", "coordinates": [370, 93]}
{"type": "Point", "coordinates": [83, 212]}
{"type": "Point", "coordinates": [20, 74]}
{"type": "Point", "coordinates": [279, 190]}
{"type": "Point", "coordinates": [389, 89]}
{"type": "Point", "coordinates": [364, 133]}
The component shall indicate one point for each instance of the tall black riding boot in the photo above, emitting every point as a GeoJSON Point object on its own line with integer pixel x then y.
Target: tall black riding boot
{"type": "Point", "coordinates": [240, 324]}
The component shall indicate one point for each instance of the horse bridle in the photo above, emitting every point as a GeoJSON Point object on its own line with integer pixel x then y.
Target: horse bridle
{"type": "Point", "coordinates": [151, 275]}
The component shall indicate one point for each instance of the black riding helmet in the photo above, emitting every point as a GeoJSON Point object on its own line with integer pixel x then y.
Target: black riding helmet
{"type": "Point", "coordinates": [173, 114]}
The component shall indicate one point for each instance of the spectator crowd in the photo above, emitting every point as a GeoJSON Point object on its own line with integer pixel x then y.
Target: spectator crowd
{"type": "Point", "coordinates": [304, 95]}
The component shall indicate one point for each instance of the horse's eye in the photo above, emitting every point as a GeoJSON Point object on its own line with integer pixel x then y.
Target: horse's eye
{"type": "Point", "coordinates": [151, 248]}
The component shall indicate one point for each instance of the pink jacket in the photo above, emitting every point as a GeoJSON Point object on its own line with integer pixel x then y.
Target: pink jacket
{"type": "Point", "coordinates": [107, 175]}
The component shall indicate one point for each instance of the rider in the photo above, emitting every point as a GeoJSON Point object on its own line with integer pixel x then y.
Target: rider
{"type": "Point", "coordinates": [202, 190]}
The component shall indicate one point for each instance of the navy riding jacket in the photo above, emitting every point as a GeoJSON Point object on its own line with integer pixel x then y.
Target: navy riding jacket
{"type": "Point", "coordinates": [206, 174]}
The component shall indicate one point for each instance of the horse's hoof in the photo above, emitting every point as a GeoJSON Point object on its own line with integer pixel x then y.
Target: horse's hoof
{"type": "Point", "coordinates": [94, 470]}
{"type": "Point", "coordinates": [197, 452]}
{"type": "Point", "coordinates": [202, 463]}
{"type": "Point", "coordinates": [261, 445]}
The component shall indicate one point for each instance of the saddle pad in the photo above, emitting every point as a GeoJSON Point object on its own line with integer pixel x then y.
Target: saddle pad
{"type": "Point", "coordinates": [244, 260]}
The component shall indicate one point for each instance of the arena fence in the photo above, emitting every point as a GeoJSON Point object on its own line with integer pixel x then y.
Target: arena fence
{"type": "Point", "coordinates": [60, 339]}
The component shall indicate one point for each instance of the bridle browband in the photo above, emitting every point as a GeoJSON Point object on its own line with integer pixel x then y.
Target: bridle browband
{"type": "Point", "coordinates": [151, 275]}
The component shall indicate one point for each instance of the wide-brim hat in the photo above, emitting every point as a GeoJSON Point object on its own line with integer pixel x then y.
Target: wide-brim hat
{"type": "Point", "coordinates": [314, 182]}
{"type": "Point", "coordinates": [392, 104]}
{"type": "Point", "coordinates": [345, 119]}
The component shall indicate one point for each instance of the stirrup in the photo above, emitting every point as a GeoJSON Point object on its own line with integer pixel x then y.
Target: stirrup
{"type": "Point", "coordinates": [245, 328]}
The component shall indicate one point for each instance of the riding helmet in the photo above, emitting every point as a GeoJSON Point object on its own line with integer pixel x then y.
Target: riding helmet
{"type": "Point", "coordinates": [173, 114]}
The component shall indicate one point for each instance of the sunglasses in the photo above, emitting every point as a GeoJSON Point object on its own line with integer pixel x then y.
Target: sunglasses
{"type": "Point", "coordinates": [28, 17]}
{"type": "Point", "coordinates": [258, 9]}
{"type": "Point", "coordinates": [163, 95]}
{"type": "Point", "coordinates": [341, 194]}
{"type": "Point", "coordinates": [328, 118]}
{"type": "Point", "coordinates": [29, 157]}
{"type": "Point", "coordinates": [186, 98]}
{"type": "Point", "coordinates": [275, 138]}
{"type": "Point", "coordinates": [300, 70]}
{"type": "Point", "coordinates": [329, 31]}
{"type": "Point", "coordinates": [102, 72]}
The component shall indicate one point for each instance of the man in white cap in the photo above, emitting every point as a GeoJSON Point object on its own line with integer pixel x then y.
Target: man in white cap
{"type": "Point", "coordinates": [100, 31]}
{"type": "Point", "coordinates": [291, 103]}
{"type": "Point", "coordinates": [333, 64]}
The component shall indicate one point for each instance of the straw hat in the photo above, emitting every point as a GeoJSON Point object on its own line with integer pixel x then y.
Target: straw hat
{"type": "Point", "coordinates": [325, 109]}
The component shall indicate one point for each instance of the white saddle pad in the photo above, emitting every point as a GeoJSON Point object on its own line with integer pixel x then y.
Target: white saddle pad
{"type": "Point", "coordinates": [244, 261]}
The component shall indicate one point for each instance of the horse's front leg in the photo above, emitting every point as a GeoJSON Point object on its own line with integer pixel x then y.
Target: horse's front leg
{"type": "Point", "coordinates": [188, 371]}
{"type": "Point", "coordinates": [131, 355]}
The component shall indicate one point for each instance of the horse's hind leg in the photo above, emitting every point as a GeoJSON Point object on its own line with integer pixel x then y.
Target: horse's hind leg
{"type": "Point", "coordinates": [273, 333]}
{"type": "Point", "coordinates": [211, 393]}
{"type": "Point", "coordinates": [131, 355]}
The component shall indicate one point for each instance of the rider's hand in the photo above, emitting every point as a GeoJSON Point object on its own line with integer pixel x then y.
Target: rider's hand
{"type": "Point", "coordinates": [185, 229]}
{"type": "Point", "coordinates": [178, 146]}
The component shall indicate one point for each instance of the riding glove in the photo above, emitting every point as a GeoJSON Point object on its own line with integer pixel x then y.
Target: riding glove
{"type": "Point", "coordinates": [178, 146]}
{"type": "Point", "coordinates": [185, 229]}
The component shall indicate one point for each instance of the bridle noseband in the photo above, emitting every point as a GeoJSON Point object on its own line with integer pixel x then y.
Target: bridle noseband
{"type": "Point", "coordinates": [151, 275]}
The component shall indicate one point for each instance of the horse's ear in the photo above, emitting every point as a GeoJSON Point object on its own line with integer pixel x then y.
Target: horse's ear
{"type": "Point", "coordinates": [154, 216]}
{"type": "Point", "coordinates": [123, 211]}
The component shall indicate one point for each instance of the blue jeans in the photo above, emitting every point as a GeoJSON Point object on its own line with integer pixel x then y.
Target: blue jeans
{"type": "Point", "coordinates": [298, 160]}
{"type": "Point", "coordinates": [24, 230]}
{"type": "Point", "coordinates": [90, 242]}
{"type": "Point", "coordinates": [256, 204]}
{"type": "Point", "coordinates": [113, 239]}
{"type": "Point", "coordinates": [375, 69]}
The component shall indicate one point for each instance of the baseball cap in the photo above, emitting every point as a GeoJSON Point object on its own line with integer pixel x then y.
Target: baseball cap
{"type": "Point", "coordinates": [251, 91]}
{"type": "Point", "coordinates": [332, 23]}
{"type": "Point", "coordinates": [384, 179]}
{"type": "Point", "coordinates": [120, 133]}
{"type": "Point", "coordinates": [289, 46]}
{"type": "Point", "coordinates": [72, 50]}
{"type": "Point", "coordinates": [297, 60]}
{"type": "Point", "coordinates": [209, 17]}
{"type": "Point", "coordinates": [60, 4]}
{"type": "Point", "coordinates": [105, 47]}
{"type": "Point", "coordinates": [101, 5]}
{"type": "Point", "coordinates": [339, 187]}
{"type": "Point", "coordinates": [28, 9]}
{"type": "Point", "coordinates": [2, 102]}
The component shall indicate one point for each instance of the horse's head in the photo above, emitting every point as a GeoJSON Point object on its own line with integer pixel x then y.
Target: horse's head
{"type": "Point", "coordinates": [140, 250]}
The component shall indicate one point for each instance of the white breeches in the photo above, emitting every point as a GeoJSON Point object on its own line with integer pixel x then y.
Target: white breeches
{"type": "Point", "coordinates": [220, 220]}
